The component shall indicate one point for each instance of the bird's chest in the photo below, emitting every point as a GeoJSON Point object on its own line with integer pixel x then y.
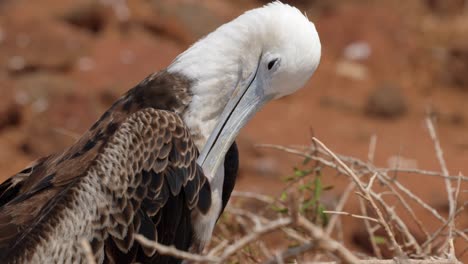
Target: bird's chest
{"type": "Point", "coordinates": [204, 223]}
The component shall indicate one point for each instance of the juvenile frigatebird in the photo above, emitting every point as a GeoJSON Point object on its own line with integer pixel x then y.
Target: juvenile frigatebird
{"type": "Point", "coordinates": [161, 161]}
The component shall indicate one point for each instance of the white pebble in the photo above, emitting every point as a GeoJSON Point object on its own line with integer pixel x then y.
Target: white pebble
{"type": "Point", "coordinates": [86, 64]}
{"type": "Point", "coordinates": [357, 51]}
{"type": "Point", "coordinates": [16, 63]}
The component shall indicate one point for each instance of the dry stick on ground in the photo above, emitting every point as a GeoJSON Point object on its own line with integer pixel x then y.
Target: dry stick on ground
{"type": "Point", "coordinates": [387, 179]}
{"type": "Point", "coordinates": [287, 230]}
{"type": "Point", "coordinates": [370, 230]}
{"type": "Point", "coordinates": [320, 241]}
{"type": "Point", "coordinates": [367, 196]}
{"type": "Point", "coordinates": [174, 252]}
{"type": "Point", "coordinates": [228, 251]}
{"type": "Point", "coordinates": [214, 251]}
{"type": "Point", "coordinates": [324, 242]}
{"type": "Point", "coordinates": [368, 168]}
{"type": "Point", "coordinates": [376, 261]}
{"type": "Point", "coordinates": [409, 210]}
{"type": "Point", "coordinates": [399, 222]}
{"type": "Point", "coordinates": [393, 216]}
{"type": "Point", "coordinates": [397, 219]}
{"type": "Point", "coordinates": [436, 233]}
{"type": "Point", "coordinates": [448, 184]}
{"type": "Point", "coordinates": [339, 207]}
{"type": "Point", "coordinates": [254, 235]}
{"type": "Point", "coordinates": [363, 217]}
{"type": "Point", "coordinates": [260, 197]}
{"type": "Point", "coordinates": [304, 152]}
{"type": "Point", "coordinates": [392, 184]}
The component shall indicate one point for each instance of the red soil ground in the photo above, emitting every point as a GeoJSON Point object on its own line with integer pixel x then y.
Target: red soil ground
{"type": "Point", "coordinates": [62, 63]}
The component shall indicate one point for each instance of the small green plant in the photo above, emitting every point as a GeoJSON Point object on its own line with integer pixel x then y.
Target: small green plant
{"type": "Point", "coordinates": [379, 240]}
{"type": "Point", "coordinates": [306, 182]}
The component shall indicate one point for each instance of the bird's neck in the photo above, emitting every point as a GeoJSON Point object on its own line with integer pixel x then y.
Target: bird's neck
{"type": "Point", "coordinates": [216, 65]}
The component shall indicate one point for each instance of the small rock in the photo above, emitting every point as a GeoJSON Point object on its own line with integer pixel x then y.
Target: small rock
{"type": "Point", "coordinates": [16, 63]}
{"type": "Point", "coordinates": [456, 66]}
{"type": "Point", "coordinates": [40, 105]}
{"type": "Point", "coordinates": [455, 118]}
{"type": "Point", "coordinates": [10, 116]}
{"type": "Point", "coordinates": [10, 111]}
{"type": "Point", "coordinates": [360, 50]}
{"type": "Point", "coordinates": [386, 102]}
{"type": "Point", "coordinates": [22, 97]}
{"type": "Point", "coordinates": [85, 64]}
{"type": "Point", "coordinates": [88, 16]}
{"type": "Point", "coordinates": [351, 70]}
{"type": "Point", "coordinates": [446, 7]}
{"type": "Point", "coordinates": [121, 10]}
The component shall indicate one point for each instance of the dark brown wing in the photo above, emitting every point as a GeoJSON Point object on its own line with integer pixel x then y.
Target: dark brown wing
{"type": "Point", "coordinates": [24, 195]}
{"type": "Point", "coordinates": [153, 187]}
{"type": "Point", "coordinates": [167, 186]}
{"type": "Point", "coordinates": [167, 189]}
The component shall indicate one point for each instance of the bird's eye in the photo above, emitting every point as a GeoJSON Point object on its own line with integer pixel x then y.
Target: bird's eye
{"type": "Point", "coordinates": [272, 63]}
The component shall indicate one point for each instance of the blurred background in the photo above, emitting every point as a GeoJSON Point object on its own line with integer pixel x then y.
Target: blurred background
{"type": "Point", "coordinates": [385, 66]}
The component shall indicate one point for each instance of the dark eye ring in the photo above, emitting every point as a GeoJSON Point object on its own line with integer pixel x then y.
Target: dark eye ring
{"type": "Point", "coordinates": [271, 64]}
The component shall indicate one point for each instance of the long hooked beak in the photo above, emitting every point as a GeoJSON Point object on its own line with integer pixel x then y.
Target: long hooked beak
{"type": "Point", "coordinates": [245, 101]}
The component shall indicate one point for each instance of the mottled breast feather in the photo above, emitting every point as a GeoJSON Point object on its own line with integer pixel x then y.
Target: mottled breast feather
{"type": "Point", "coordinates": [134, 171]}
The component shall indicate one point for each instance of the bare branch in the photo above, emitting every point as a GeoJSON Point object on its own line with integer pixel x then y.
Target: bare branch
{"type": "Point", "coordinates": [367, 195]}
{"type": "Point", "coordinates": [370, 231]}
{"type": "Point", "coordinates": [448, 184]}
{"type": "Point", "coordinates": [353, 215]}
{"type": "Point", "coordinates": [327, 243]}
{"type": "Point", "coordinates": [260, 197]}
{"type": "Point", "coordinates": [255, 234]}
{"type": "Point", "coordinates": [174, 252]}
{"type": "Point", "coordinates": [304, 154]}
{"type": "Point", "coordinates": [339, 207]}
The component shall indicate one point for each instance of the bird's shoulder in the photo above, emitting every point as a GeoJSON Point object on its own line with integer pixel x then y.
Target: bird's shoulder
{"type": "Point", "coordinates": [157, 91]}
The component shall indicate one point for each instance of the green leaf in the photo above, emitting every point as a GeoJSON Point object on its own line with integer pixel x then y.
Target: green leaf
{"type": "Point", "coordinates": [301, 173]}
{"type": "Point", "coordinates": [305, 186]}
{"type": "Point", "coordinates": [289, 178]}
{"type": "Point", "coordinates": [282, 210]}
{"type": "Point", "coordinates": [283, 196]}
{"type": "Point", "coordinates": [308, 204]}
{"type": "Point", "coordinates": [318, 188]}
{"type": "Point", "coordinates": [379, 240]}
{"type": "Point", "coordinates": [323, 216]}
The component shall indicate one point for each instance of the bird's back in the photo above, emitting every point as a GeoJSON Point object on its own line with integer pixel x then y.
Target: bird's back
{"type": "Point", "coordinates": [134, 171]}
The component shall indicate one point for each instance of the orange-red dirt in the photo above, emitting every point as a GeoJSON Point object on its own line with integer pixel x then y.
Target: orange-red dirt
{"type": "Point", "coordinates": [62, 63]}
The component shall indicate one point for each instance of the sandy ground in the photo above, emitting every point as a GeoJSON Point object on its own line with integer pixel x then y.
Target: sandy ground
{"type": "Point", "coordinates": [385, 65]}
